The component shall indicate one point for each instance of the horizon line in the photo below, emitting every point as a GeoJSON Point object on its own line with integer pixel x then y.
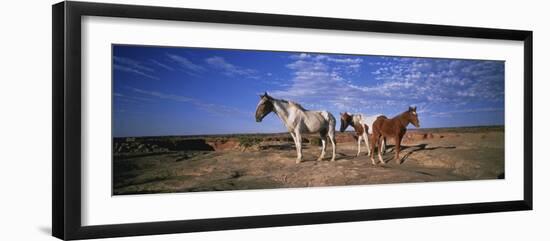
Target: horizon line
{"type": "Point", "coordinates": [285, 132]}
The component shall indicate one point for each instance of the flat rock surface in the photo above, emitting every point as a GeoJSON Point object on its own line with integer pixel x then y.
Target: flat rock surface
{"type": "Point", "coordinates": [426, 156]}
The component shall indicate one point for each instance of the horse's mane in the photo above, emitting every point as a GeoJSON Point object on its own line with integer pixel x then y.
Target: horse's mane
{"type": "Point", "coordinates": [297, 105]}
{"type": "Point", "coordinates": [292, 103]}
{"type": "Point", "coordinates": [401, 114]}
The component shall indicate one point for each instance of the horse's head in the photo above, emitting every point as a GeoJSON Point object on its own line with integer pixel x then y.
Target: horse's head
{"type": "Point", "coordinates": [265, 106]}
{"type": "Point", "coordinates": [345, 121]}
{"type": "Point", "coordinates": [413, 117]}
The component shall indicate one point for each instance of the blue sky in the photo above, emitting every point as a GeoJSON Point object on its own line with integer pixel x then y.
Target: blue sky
{"type": "Point", "coordinates": [188, 91]}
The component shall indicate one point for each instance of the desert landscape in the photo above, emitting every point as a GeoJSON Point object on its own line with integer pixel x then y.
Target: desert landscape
{"type": "Point", "coordinates": [263, 161]}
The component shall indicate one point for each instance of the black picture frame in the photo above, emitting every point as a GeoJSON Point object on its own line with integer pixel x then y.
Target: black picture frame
{"type": "Point", "coordinates": [66, 48]}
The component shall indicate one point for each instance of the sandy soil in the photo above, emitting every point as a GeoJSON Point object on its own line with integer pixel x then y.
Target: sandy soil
{"type": "Point", "coordinates": [173, 164]}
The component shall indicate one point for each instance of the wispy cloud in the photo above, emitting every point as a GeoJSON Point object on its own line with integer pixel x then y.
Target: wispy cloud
{"type": "Point", "coordinates": [215, 109]}
{"type": "Point", "coordinates": [185, 63]}
{"type": "Point", "coordinates": [464, 111]}
{"type": "Point", "coordinates": [164, 66]}
{"type": "Point", "coordinates": [163, 95]}
{"type": "Point", "coordinates": [129, 98]}
{"type": "Point", "coordinates": [131, 63]}
{"type": "Point", "coordinates": [230, 69]}
{"type": "Point", "coordinates": [133, 66]}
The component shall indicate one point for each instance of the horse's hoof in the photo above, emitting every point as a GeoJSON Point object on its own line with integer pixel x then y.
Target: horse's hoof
{"type": "Point", "coordinates": [319, 159]}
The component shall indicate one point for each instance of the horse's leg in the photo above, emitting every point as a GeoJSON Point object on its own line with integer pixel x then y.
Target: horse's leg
{"type": "Point", "coordinates": [374, 139]}
{"type": "Point", "coordinates": [331, 137]}
{"type": "Point", "coordinates": [397, 148]}
{"type": "Point", "coordinates": [381, 140]}
{"type": "Point", "coordinates": [359, 145]}
{"type": "Point", "coordinates": [324, 148]}
{"type": "Point", "coordinates": [366, 139]}
{"type": "Point", "coordinates": [383, 146]}
{"type": "Point", "coordinates": [294, 139]}
{"type": "Point", "coordinates": [298, 147]}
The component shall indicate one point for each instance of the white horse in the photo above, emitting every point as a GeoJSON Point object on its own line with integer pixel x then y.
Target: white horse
{"type": "Point", "coordinates": [299, 120]}
{"type": "Point", "coordinates": [360, 124]}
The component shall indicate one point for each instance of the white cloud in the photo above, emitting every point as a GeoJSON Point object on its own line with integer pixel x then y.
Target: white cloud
{"type": "Point", "coordinates": [321, 82]}
{"type": "Point", "coordinates": [441, 80]}
{"type": "Point", "coordinates": [325, 81]}
{"type": "Point", "coordinates": [300, 56]}
{"type": "Point", "coordinates": [352, 61]}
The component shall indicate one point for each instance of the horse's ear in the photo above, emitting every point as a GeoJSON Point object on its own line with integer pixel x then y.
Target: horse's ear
{"type": "Point", "coordinates": [410, 108]}
{"type": "Point", "coordinates": [414, 108]}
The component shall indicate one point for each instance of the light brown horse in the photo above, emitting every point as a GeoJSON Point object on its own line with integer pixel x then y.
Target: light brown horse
{"type": "Point", "coordinates": [360, 124]}
{"type": "Point", "coordinates": [395, 128]}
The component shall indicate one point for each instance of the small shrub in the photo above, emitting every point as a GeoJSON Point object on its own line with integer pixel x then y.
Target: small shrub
{"type": "Point", "coordinates": [247, 141]}
{"type": "Point", "coordinates": [315, 141]}
{"type": "Point", "coordinates": [237, 174]}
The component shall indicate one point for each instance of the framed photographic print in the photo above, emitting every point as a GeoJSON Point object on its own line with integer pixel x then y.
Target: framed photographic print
{"type": "Point", "coordinates": [162, 114]}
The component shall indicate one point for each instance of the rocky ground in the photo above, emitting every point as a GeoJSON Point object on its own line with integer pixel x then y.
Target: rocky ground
{"type": "Point", "coordinates": [235, 162]}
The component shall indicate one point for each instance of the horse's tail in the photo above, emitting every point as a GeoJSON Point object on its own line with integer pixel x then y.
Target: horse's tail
{"type": "Point", "coordinates": [331, 121]}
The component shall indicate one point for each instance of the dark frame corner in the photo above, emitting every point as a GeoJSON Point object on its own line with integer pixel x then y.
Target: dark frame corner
{"type": "Point", "coordinates": [66, 128]}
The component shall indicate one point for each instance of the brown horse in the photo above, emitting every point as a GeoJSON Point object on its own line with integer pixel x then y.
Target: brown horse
{"type": "Point", "coordinates": [395, 128]}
